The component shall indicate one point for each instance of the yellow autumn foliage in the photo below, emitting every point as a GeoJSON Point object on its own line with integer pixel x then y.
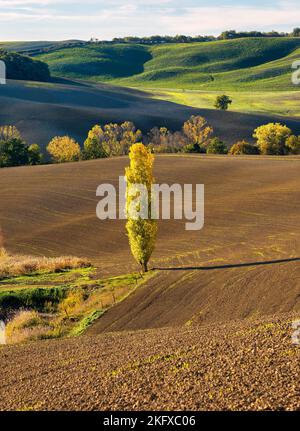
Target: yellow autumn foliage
{"type": "Point", "coordinates": [141, 232]}
{"type": "Point", "coordinates": [64, 149]}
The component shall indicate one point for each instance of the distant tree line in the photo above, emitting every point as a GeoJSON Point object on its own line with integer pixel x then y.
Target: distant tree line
{"type": "Point", "coordinates": [24, 68]}
{"type": "Point", "coordinates": [196, 136]}
{"type": "Point", "coordinates": [229, 34]}
{"type": "Point", "coordinates": [157, 40]}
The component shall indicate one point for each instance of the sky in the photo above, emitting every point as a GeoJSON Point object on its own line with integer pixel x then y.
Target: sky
{"type": "Point", "coordinates": [83, 19]}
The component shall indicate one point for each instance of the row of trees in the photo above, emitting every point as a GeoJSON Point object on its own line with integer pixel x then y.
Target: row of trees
{"type": "Point", "coordinates": [229, 34]}
{"type": "Point", "coordinates": [196, 136]}
{"type": "Point", "coordinates": [102, 141]}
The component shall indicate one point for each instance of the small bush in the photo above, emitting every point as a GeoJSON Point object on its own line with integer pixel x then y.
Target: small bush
{"type": "Point", "coordinates": [216, 146]}
{"type": "Point", "coordinates": [24, 326]}
{"type": "Point", "coordinates": [72, 302]}
{"type": "Point", "coordinates": [243, 147]}
{"type": "Point", "coordinates": [194, 148]}
{"type": "Point", "coordinates": [14, 151]}
{"type": "Point", "coordinates": [293, 144]}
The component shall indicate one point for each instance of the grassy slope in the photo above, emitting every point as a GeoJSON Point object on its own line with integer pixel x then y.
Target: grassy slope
{"type": "Point", "coordinates": [36, 291]}
{"type": "Point", "coordinates": [254, 63]}
{"type": "Point", "coordinates": [285, 103]}
{"type": "Point", "coordinates": [256, 72]}
{"type": "Point", "coordinates": [24, 46]}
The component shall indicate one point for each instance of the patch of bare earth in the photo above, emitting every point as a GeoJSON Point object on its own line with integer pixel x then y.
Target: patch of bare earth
{"type": "Point", "coordinates": [246, 365]}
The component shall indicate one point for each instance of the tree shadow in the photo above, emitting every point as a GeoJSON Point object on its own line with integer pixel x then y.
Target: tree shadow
{"type": "Point", "coordinates": [236, 265]}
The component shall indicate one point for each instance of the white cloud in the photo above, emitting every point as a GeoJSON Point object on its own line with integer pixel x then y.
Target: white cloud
{"type": "Point", "coordinates": [123, 17]}
{"type": "Point", "coordinates": [205, 19]}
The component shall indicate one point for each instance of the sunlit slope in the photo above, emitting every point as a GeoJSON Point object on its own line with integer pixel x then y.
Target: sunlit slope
{"type": "Point", "coordinates": [258, 63]}
{"type": "Point", "coordinates": [43, 110]}
{"type": "Point", "coordinates": [243, 263]}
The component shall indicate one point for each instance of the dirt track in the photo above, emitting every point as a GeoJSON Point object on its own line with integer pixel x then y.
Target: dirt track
{"type": "Point", "coordinates": [250, 365]}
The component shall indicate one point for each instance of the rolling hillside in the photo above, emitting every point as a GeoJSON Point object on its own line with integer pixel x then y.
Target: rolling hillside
{"type": "Point", "coordinates": [44, 110]}
{"type": "Point", "coordinates": [34, 47]}
{"type": "Point", "coordinates": [250, 63]}
{"type": "Point", "coordinates": [211, 330]}
{"type": "Point", "coordinates": [245, 262]}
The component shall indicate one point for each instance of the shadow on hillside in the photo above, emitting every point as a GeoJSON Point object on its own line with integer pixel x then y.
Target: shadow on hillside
{"type": "Point", "coordinates": [237, 265]}
{"type": "Point", "coordinates": [68, 81]}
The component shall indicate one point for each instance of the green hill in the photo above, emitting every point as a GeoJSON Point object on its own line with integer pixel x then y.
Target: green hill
{"type": "Point", "coordinates": [21, 67]}
{"type": "Point", "coordinates": [250, 63]}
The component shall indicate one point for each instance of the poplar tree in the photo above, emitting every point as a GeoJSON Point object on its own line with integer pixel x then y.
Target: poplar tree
{"type": "Point", "coordinates": [141, 230]}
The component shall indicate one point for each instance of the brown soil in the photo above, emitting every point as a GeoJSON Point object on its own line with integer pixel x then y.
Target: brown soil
{"type": "Point", "coordinates": [248, 365]}
{"type": "Point", "coordinates": [44, 110]}
{"type": "Point", "coordinates": [231, 277]}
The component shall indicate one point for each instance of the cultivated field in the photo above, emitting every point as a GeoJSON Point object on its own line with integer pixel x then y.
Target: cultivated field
{"type": "Point", "coordinates": [252, 208]}
{"type": "Point", "coordinates": [43, 110]}
{"type": "Point", "coordinates": [239, 366]}
{"type": "Point", "coordinates": [226, 295]}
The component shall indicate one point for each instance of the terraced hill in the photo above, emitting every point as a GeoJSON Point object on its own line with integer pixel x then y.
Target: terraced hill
{"type": "Point", "coordinates": [250, 63]}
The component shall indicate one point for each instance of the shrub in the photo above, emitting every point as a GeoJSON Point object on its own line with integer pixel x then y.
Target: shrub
{"type": "Point", "coordinates": [14, 151]}
{"type": "Point", "coordinates": [35, 156]}
{"type": "Point", "coordinates": [194, 148]}
{"type": "Point", "coordinates": [293, 144]}
{"type": "Point", "coordinates": [216, 146]}
{"type": "Point", "coordinates": [25, 326]}
{"type": "Point", "coordinates": [243, 147]}
{"type": "Point", "coordinates": [72, 302]}
{"type": "Point", "coordinates": [271, 138]}
{"type": "Point", "coordinates": [64, 149]}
